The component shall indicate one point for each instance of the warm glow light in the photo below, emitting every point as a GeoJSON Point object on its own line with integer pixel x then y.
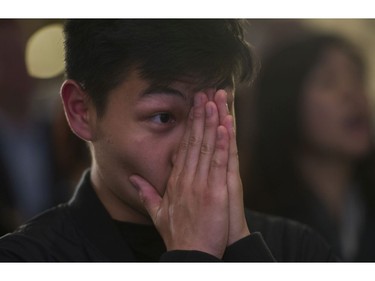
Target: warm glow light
{"type": "Point", "coordinates": [45, 52]}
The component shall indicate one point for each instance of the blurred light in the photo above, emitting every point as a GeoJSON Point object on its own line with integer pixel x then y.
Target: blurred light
{"type": "Point", "coordinates": [45, 52]}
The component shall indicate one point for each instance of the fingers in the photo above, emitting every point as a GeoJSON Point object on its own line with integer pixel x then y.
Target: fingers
{"type": "Point", "coordinates": [209, 140]}
{"type": "Point", "coordinates": [233, 164]}
{"type": "Point", "coordinates": [205, 149]}
{"type": "Point", "coordinates": [219, 162]}
{"type": "Point", "coordinates": [191, 140]}
{"type": "Point", "coordinates": [148, 195]}
{"type": "Point", "coordinates": [208, 113]}
{"type": "Point", "coordinates": [194, 140]}
{"type": "Point", "coordinates": [179, 161]}
{"type": "Point", "coordinates": [198, 143]}
{"type": "Point", "coordinates": [227, 121]}
{"type": "Point", "coordinates": [222, 105]}
{"type": "Point", "coordinates": [238, 227]}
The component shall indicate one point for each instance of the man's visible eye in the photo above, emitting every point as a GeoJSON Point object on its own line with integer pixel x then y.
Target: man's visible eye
{"type": "Point", "coordinates": [163, 118]}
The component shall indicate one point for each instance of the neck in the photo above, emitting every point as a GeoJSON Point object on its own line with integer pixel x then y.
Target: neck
{"type": "Point", "coordinates": [329, 178]}
{"type": "Point", "coordinates": [118, 209]}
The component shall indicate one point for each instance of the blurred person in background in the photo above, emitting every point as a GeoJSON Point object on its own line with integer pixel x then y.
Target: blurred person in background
{"type": "Point", "coordinates": [27, 163]}
{"type": "Point", "coordinates": [312, 156]}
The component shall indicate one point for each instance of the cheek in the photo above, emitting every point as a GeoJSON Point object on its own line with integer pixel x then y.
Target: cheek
{"type": "Point", "coordinates": [320, 119]}
{"type": "Point", "coordinates": [135, 149]}
{"type": "Point", "coordinates": [151, 160]}
{"type": "Point", "coordinates": [149, 156]}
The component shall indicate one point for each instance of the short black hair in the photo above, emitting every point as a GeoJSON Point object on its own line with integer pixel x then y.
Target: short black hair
{"type": "Point", "coordinates": [99, 53]}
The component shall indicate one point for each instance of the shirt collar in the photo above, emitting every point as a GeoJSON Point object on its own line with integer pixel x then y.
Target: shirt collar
{"type": "Point", "coordinates": [96, 223]}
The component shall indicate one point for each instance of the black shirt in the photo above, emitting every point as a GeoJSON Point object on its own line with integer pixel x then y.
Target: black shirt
{"type": "Point", "coordinates": [144, 240]}
{"type": "Point", "coordinates": [82, 230]}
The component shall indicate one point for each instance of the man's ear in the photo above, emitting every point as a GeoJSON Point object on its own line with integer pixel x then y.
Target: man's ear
{"type": "Point", "coordinates": [79, 110]}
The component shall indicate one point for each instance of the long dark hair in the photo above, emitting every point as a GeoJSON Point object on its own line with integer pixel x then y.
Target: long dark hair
{"type": "Point", "coordinates": [273, 184]}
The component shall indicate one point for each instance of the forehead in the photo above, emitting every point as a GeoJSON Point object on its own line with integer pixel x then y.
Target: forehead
{"type": "Point", "coordinates": [338, 57]}
{"type": "Point", "coordinates": [138, 88]}
{"type": "Point", "coordinates": [188, 91]}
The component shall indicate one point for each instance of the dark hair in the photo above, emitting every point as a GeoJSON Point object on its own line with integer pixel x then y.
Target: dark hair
{"type": "Point", "coordinates": [100, 53]}
{"type": "Point", "coordinates": [275, 185]}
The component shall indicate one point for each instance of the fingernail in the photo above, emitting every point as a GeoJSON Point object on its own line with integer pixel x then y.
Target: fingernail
{"type": "Point", "coordinates": [223, 93]}
{"type": "Point", "coordinates": [134, 183]}
{"type": "Point", "coordinates": [136, 186]}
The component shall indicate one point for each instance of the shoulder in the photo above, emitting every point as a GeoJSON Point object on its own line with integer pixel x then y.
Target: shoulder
{"type": "Point", "coordinates": [289, 240]}
{"type": "Point", "coordinates": [43, 238]}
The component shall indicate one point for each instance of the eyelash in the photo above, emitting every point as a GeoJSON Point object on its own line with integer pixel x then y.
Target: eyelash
{"type": "Point", "coordinates": [157, 118]}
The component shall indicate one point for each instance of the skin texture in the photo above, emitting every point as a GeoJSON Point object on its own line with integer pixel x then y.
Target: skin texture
{"type": "Point", "coordinates": [166, 157]}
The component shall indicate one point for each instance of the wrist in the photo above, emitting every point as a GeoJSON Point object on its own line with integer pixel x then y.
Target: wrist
{"type": "Point", "coordinates": [238, 235]}
{"type": "Point", "coordinates": [212, 251]}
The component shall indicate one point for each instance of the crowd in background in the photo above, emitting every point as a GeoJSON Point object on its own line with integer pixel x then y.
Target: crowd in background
{"type": "Point", "coordinates": [39, 156]}
{"type": "Point", "coordinates": [305, 137]}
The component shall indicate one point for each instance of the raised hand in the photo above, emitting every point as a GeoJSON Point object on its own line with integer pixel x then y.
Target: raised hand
{"type": "Point", "coordinates": [237, 223]}
{"type": "Point", "coordinates": [193, 213]}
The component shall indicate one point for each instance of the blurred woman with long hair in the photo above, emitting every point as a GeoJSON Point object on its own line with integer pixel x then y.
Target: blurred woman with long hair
{"type": "Point", "coordinates": [312, 156]}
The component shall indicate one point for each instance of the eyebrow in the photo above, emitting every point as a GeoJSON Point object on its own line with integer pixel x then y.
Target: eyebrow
{"type": "Point", "coordinates": [165, 90]}
{"type": "Point", "coordinates": [162, 90]}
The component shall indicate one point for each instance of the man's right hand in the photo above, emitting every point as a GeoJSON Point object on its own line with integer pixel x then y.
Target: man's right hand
{"type": "Point", "coordinates": [193, 213]}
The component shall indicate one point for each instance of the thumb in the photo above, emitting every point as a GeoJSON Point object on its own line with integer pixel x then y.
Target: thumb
{"type": "Point", "coordinates": [148, 195]}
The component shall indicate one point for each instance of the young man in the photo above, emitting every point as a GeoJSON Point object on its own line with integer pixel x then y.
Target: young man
{"type": "Point", "coordinates": [153, 99]}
